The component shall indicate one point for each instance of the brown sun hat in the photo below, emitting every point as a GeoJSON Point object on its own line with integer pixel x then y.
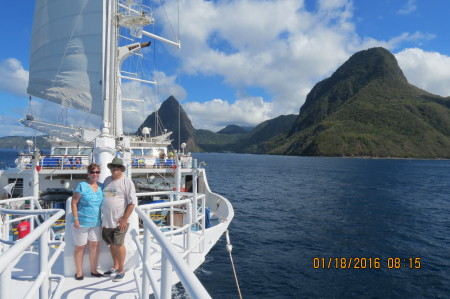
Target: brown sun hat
{"type": "Point", "coordinates": [117, 162]}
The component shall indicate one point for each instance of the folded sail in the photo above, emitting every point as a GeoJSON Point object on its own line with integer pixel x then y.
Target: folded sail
{"type": "Point", "coordinates": [8, 188]}
{"type": "Point", "coordinates": [66, 53]}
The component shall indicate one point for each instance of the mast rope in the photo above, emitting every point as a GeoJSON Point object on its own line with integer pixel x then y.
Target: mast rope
{"type": "Point", "coordinates": [229, 249]}
{"type": "Point", "coordinates": [167, 17]}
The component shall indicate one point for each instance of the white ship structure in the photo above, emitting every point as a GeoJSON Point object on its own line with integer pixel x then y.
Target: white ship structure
{"type": "Point", "coordinates": [77, 52]}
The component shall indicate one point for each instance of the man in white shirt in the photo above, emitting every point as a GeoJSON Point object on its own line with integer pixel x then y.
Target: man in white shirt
{"type": "Point", "coordinates": [118, 204]}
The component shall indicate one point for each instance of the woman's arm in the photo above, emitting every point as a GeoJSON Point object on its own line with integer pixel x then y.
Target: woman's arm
{"type": "Point", "coordinates": [75, 200]}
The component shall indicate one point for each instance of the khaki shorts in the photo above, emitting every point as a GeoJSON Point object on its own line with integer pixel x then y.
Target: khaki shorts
{"type": "Point", "coordinates": [114, 236]}
{"type": "Point", "coordinates": [83, 234]}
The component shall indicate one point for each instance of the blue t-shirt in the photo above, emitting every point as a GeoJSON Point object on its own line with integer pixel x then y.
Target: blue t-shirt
{"type": "Point", "coordinates": [89, 206]}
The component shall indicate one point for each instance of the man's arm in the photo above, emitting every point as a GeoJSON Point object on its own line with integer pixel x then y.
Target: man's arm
{"type": "Point", "coordinates": [132, 202]}
{"type": "Point", "coordinates": [124, 219]}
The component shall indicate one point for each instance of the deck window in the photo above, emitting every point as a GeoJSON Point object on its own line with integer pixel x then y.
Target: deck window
{"type": "Point", "coordinates": [137, 151]}
{"type": "Point", "coordinates": [149, 152]}
{"type": "Point", "coordinates": [72, 151]}
{"type": "Point", "coordinates": [85, 151]}
{"type": "Point", "coordinates": [59, 151]}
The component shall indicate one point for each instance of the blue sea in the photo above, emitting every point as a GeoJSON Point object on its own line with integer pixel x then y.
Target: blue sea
{"type": "Point", "coordinates": [391, 217]}
{"type": "Point", "coordinates": [309, 227]}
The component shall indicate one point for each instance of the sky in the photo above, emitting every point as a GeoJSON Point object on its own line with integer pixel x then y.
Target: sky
{"type": "Point", "coordinates": [246, 61]}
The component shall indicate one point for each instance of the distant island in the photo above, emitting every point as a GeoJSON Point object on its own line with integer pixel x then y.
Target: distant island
{"type": "Point", "coordinates": [20, 142]}
{"type": "Point", "coordinates": [366, 108]}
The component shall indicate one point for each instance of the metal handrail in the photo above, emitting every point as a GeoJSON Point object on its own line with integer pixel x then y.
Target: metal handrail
{"type": "Point", "coordinates": [171, 259]}
{"type": "Point", "coordinates": [45, 261]}
{"type": "Point", "coordinates": [34, 205]}
{"type": "Point", "coordinates": [168, 254]}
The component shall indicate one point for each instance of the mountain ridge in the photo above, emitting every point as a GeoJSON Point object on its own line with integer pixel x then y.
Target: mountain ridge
{"type": "Point", "coordinates": [366, 108]}
{"type": "Point", "coordinates": [376, 113]}
{"type": "Point", "coordinates": [182, 131]}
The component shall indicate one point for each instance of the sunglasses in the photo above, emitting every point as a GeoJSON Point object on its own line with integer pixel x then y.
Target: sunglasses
{"type": "Point", "coordinates": [95, 172]}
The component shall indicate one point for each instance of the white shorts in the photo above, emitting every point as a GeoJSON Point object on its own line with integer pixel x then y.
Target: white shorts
{"type": "Point", "coordinates": [82, 234]}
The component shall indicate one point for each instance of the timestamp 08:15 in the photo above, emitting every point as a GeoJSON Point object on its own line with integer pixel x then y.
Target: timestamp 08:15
{"type": "Point", "coordinates": [366, 263]}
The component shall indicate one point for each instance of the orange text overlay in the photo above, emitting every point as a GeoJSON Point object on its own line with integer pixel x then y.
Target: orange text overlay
{"type": "Point", "coordinates": [366, 263]}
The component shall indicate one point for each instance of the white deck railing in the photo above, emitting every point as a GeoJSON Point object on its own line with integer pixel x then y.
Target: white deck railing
{"type": "Point", "coordinates": [171, 258]}
{"type": "Point", "coordinates": [39, 236]}
{"type": "Point", "coordinates": [66, 162]}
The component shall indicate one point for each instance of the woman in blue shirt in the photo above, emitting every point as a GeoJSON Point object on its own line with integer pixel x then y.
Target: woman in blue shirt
{"type": "Point", "coordinates": [86, 209]}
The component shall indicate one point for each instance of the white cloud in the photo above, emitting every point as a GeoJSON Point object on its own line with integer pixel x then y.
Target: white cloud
{"type": "Point", "coordinates": [14, 79]}
{"type": "Point", "coordinates": [168, 85]}
{"type": "Point", "coordinates": [216, 114]}
{"type": "Point", "coordinates": [427, 70]}
{"type": "Point", "coordinates": [11, 127]}
{"type": "Point", "coordinates": [275, 45]}
{"type": "Point", "coordinates": [408, 8]}
{"type": "Point", "coordinates": [145, 98]}
{"type": "Point", "coordinates": [278, 46]}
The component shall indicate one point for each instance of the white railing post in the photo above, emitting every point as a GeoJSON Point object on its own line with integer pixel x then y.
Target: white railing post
{"type": "Point", "coordinates": [41, 232]}
{"type": "Point", "coordinates": [171, 259]}
{"type": "Point", "coordinates": [188, 233]}
{"type": "Point", "coordinates": [43, 264]}
{"type": "Point", "coordinates": [33, 201]}
{"type": "Point", "coordinates": [34, 164]}
{"type": "Point", "coordinates": [171, 213]}
{"type": "Point", "coordinates": [177, 176]}
{"type": "Point", "coordinates": [6, 232]}
{"type": "Point", "coordinates": [166, 277]}
{"type": "Point", "coordinates": [203, 222]}
{"type": "Point", "coordinates": [5, 282]}
{"type": "Point", "coordinates": [146, 263]}
{"type": "Point", "coordinates": [2, 234]}
{"type": "Point", "coordinates": [194, 188]}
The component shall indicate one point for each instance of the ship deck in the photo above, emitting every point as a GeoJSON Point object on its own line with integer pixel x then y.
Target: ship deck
{"type": "Point", "coordinates": [89, 287]}
{"type": "Point", "coordinates": [97, 287]}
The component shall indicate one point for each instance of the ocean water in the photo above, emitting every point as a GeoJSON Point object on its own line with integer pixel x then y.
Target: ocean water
{"type": "Point", "coordinates": [391, 217]}
{"type": "Point", "coordinates": [7, 157]}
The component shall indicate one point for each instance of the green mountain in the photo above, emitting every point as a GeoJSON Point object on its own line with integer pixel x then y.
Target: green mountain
{"type": "Point", "coordinates": [232, 138]}
{"type": "Point", "coordinates": [249, 142]}
{"type": "Point", "coordinates": [216, 142]}
{"type": "Point", "coordinates": [19, 142]}
{"type": "Point", "coordinates": [233, 129]}
{"type": "Point", "coordinates": [253, 141]}
{"type": "Point", "coordinates": [367, 108]}
{"type": "Point", "coordinates": [181, 126]}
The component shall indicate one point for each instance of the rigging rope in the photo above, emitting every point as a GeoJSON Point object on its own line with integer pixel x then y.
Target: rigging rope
{"type": "Point", "coordinates": [229, 249]}
{"type": "Point", "coordinates": [167, 17]}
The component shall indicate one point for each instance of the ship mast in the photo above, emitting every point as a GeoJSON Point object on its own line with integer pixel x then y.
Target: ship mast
{"type": "Point", "coordinates": [112, 138]}
{"type": "Point", "coordinates": [105, 143]}
{"type": "Point", "coordinates": [110, 94]}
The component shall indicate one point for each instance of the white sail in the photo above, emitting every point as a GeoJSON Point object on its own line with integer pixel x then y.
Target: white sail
{"type": "Point", "coordinates": [66, 53]}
